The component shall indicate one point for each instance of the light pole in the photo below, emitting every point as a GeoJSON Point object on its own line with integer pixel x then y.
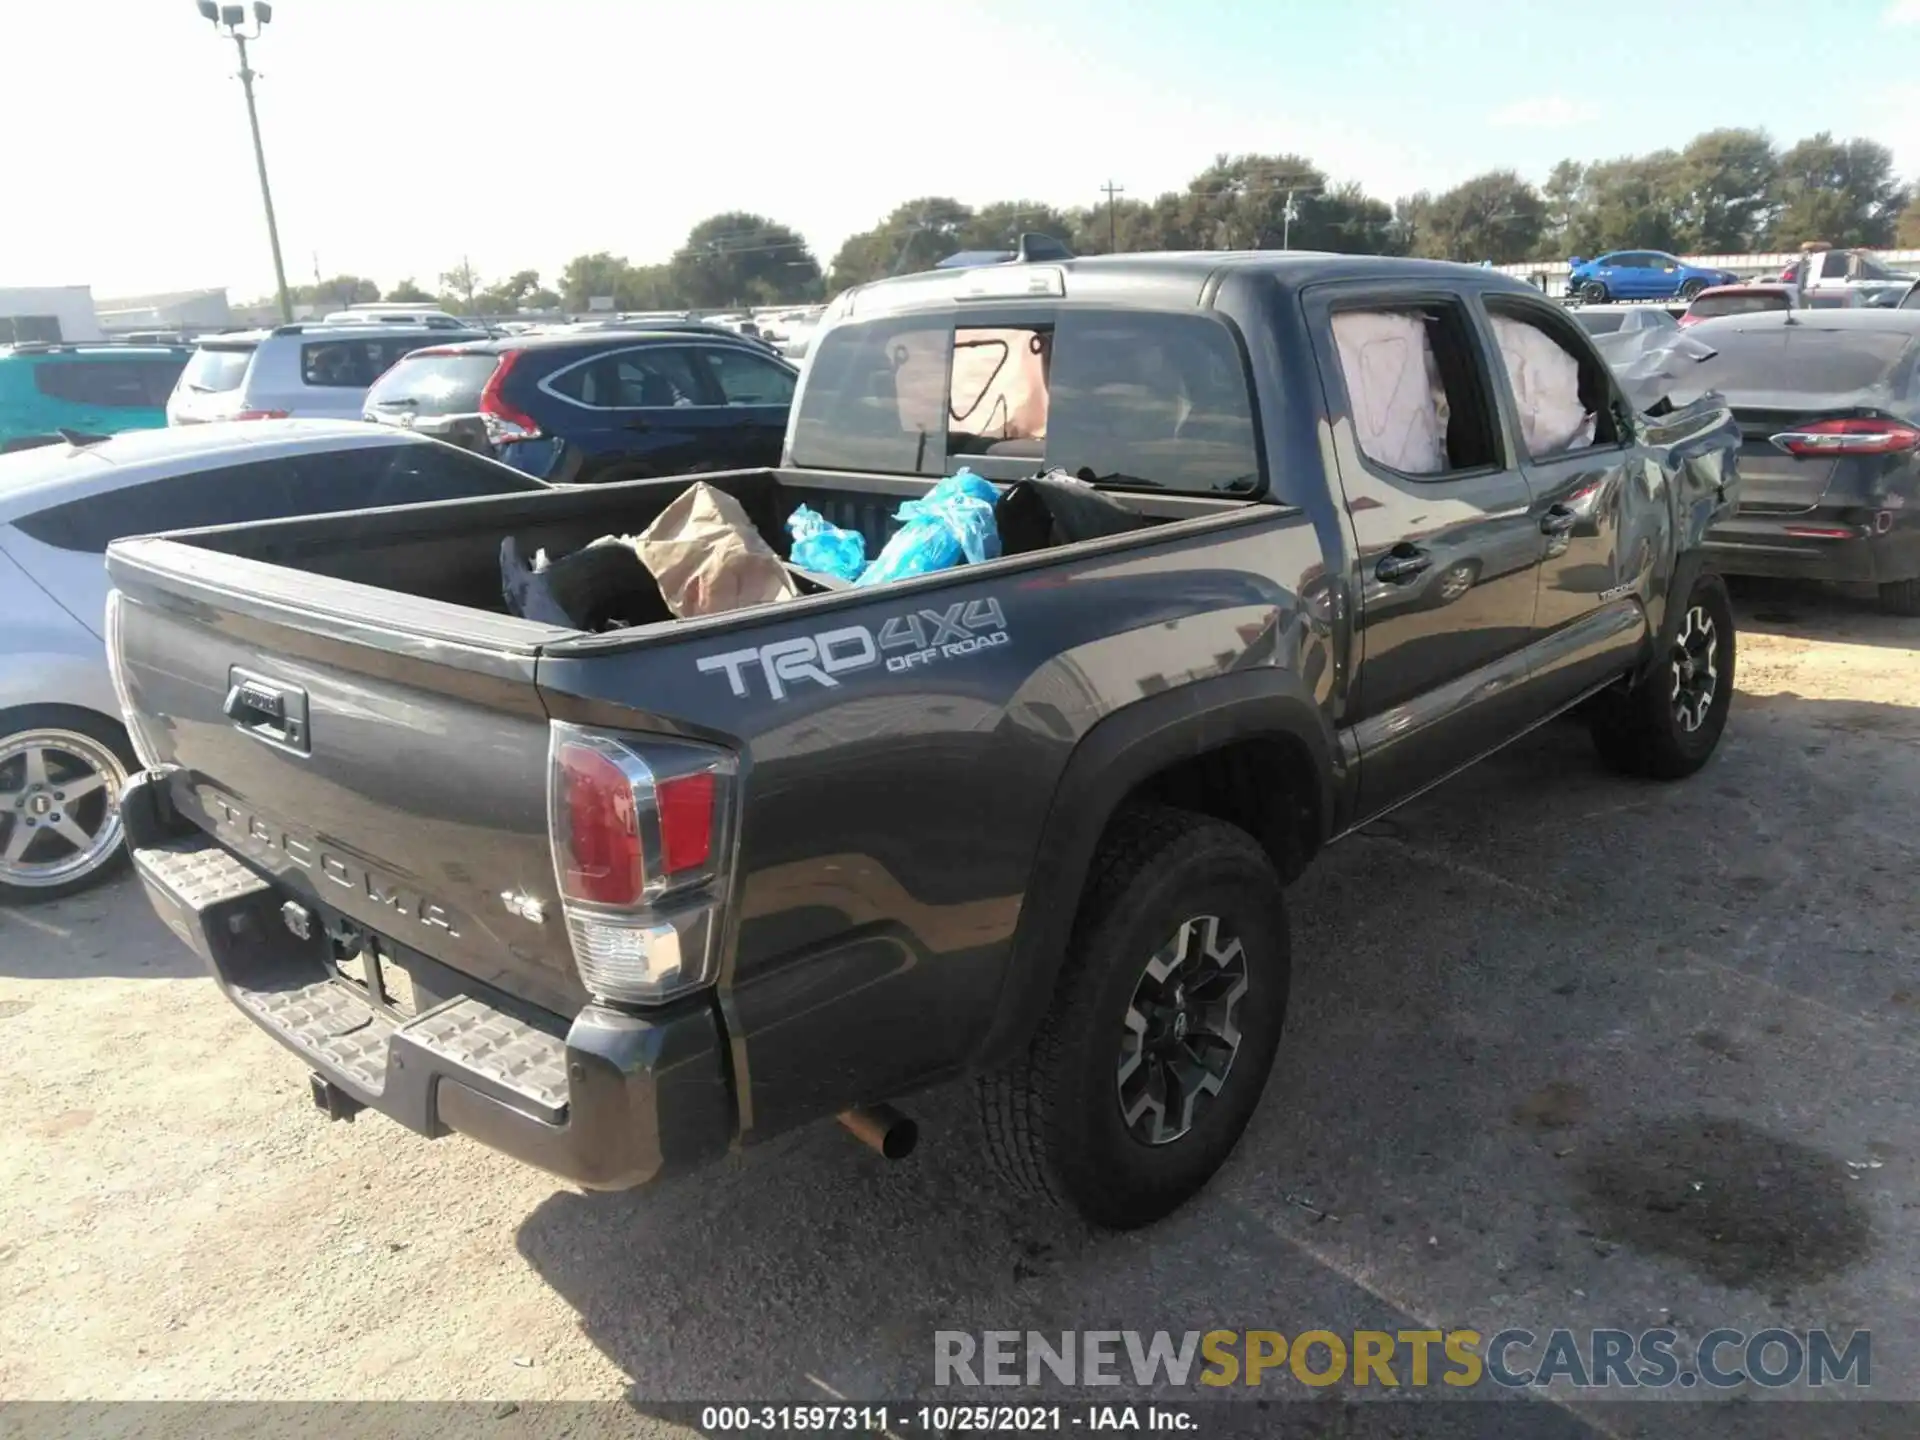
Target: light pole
{"type": "Point", "coordinates": [230, 20]}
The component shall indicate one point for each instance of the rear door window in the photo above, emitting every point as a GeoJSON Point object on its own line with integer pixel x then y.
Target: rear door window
{"type": "Point", "coordinates": [1142, 399]}
{"type": "Point", "coordinates": [216, 369]}
{"type": "Point", "coordinates": [354, 364]}
{"type": "Point", "coordinates": [744, 379]}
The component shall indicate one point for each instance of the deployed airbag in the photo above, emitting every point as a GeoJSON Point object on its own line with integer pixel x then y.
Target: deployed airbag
{"type": "Point", "coordinates": [1393, 384]}
{"type": "Point", "coordinates": [1546, 388]}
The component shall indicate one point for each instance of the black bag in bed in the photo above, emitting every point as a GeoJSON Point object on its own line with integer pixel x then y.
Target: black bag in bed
{"type": "Point", "coordinates": [1048, 510]}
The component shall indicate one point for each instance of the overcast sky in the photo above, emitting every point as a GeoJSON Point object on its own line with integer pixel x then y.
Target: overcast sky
{"type": "Point", "coordinates": [404, 134]}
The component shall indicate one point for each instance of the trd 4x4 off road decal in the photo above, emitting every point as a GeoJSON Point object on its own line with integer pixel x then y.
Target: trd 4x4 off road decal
{"type": "Point", "coordinates": [910, 641]}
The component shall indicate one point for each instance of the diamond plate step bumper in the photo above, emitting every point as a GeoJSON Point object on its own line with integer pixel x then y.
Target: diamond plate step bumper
{"type": "Point", "coordinates": [608, 1100]}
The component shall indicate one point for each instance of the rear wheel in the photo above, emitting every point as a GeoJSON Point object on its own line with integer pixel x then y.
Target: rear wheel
{"type": "Point", "coordinates": [1163, 1027]}
{"type": "Point", "coordinates": [61, 773]}
{"type": "Point", "coordinates": [1594, 293]}
{"type": "Point", "coordinates": [1901, 597]}
{"type": "Point", "coordinates": [1667, 726]}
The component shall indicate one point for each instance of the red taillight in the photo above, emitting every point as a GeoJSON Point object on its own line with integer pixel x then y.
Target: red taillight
{"type": "Point", "coordinates": [686, 822]}
{"type": "Point", "coordinates": [640, 834]}
{"type": "Point", "coordinates": [505, 422]}
{"type": "Point", "coordinates": [600, 850]}
{"type": "Point", "coordinates": [261, 415]}
{"type": "Point", "coordinates": [1865, 436]}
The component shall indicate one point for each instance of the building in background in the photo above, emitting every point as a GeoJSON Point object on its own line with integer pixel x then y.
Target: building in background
{"type": "Point", "coordinates": [48, 313]}
{"type": "Point", "coordinates": [185, 311]}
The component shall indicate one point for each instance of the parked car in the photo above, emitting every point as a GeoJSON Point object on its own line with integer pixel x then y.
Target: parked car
{"type": "Point", "coordinates": [1751, 299]}
{"type": "Point", "coordinates": [86, 389]}
{"type": "Point", "coordinates": [63, 752]}
{"type": "Point", "coordinates": [1622, 319]}
{"type": "Point", "coordinates": [1828, 403]}
{"type": "Point", "coordinates": [1641, 275]}
{"type": "Point", "coordinates": [628, 900]}
{"type": "Point", "coordinates": [596, 405]}
{"type": "Point", "coordinates": [302, 371]}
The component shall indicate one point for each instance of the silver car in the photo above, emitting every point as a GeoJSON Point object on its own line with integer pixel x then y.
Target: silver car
{"type": "Point", "coordinates": [63, 751]}
{"type": "Point", "coordinates": [297, 371]}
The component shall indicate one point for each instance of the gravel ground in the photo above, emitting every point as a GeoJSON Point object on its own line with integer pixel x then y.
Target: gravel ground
{"type": "Point", "coordinates": [1523, 1006]}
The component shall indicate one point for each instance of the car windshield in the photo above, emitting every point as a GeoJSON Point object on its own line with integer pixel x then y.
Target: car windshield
{"type": "Point", "coordinates": [215, 368]}
{"type": "Point", "coordinates": [434, 383]}
{"type": "Point", "coordinates": [1600, 322]}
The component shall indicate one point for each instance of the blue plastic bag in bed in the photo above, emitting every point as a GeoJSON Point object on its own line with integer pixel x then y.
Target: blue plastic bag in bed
{"type": "Point", "coordinates": [823, 547]}
{"type": "Point", "coordinates": [950, 523]}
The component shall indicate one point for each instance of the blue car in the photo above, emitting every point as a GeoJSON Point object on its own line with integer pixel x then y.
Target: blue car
{"type": "Point", "coordinates": [1641, 275]}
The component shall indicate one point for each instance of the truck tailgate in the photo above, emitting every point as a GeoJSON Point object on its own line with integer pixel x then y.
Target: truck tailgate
{"type": "Point", "coordinates": [369, 758]}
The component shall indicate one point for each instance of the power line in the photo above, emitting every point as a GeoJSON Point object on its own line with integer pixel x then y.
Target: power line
{"type": "Point", "coordinates": [1113, 192]}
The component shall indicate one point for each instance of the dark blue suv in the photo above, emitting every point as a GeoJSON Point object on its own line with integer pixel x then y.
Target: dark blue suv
{"type": "Point", "coordinates": [586, 406]}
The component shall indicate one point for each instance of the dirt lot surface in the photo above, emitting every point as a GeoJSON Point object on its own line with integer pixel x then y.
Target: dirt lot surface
{"type": "Point", "coordinates": [1565, 1050]}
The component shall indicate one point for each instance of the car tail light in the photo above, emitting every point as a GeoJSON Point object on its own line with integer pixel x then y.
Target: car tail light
{"type": "Point", "coordinates": [260, 415]}
{"type": "Point", "coordinates": [642, 848]}
{"type": "Point", "coordinates": [503, 421]}
{"type": "Point", "coordinates": [1871, 435]}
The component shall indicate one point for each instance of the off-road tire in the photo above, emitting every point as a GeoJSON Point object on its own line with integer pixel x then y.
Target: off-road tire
{"type": "Point", "coordinates": [1900, 597]}
{"type": "Point", "coordinates": [1053, 1117]}
{"type": "Point", "coordinates": [1640, 731]}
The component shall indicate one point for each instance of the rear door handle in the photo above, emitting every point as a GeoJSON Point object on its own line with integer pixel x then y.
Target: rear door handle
{"type": "Point", "coordinates": [1401, 564]}
{"type": "Point", "coordinates": [1558, 521]}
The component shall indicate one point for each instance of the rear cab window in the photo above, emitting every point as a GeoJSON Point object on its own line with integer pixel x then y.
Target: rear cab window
{"type": "Point", "coordinates": [1139, 399]}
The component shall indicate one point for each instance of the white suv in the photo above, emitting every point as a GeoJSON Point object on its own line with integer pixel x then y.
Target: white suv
{"type": "Point", "coordinates": [318, 371]}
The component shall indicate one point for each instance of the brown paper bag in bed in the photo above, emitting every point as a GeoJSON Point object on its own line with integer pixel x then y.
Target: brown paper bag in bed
{"type": "Point", "coordinates": [708, 557]}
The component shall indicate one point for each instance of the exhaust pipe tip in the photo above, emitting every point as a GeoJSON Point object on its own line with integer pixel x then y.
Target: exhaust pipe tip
{"type": "Point", "coordinates": [882, 1128]}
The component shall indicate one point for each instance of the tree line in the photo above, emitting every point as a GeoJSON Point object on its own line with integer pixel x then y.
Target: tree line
{"type": "Point", "coordinates": [1727, 191]}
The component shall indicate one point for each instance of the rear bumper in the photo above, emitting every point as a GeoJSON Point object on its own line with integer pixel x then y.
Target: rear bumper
{"type": "Point", "coordinates": [1769, 545]}
{"type": "Point", "coordinates": [609, 1101]}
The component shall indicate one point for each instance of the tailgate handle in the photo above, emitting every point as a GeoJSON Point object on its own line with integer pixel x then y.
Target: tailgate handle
{"type": "Point", "coordinates": [268, 710]}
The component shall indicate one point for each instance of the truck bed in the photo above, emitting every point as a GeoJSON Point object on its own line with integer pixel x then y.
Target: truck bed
{"type": "Point", "coordinates": [450, 553]}
{"type": "Point", "coordinates": [410, 796]}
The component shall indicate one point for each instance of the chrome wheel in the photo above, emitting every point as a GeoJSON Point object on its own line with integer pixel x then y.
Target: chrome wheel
{"type": "Point", "coordinates": [59, 807]}
{"type": "Point", "coordinates": [1696, 676]}
{"type": "Point", "coordinates": [1181, 1035]}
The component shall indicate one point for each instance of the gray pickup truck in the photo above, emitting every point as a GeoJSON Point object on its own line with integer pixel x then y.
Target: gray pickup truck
{"type": "Point", "coordinates": [617, 901]}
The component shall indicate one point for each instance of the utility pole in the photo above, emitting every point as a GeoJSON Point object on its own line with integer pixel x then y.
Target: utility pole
{"type": "Point", "coordinates": [230, 21]}
{"type": "Point", "coordinates": [1112, 192]}
{"type": "Point", "coordinates": [1286, 224]}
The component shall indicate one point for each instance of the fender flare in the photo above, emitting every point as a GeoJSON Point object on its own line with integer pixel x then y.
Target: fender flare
{"type": "Point", "coordinates": [1107, 764]}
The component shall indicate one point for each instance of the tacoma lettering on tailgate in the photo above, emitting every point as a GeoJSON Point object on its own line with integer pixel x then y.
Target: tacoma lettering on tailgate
{"type": "Point", "coordinates": [278, 846]}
